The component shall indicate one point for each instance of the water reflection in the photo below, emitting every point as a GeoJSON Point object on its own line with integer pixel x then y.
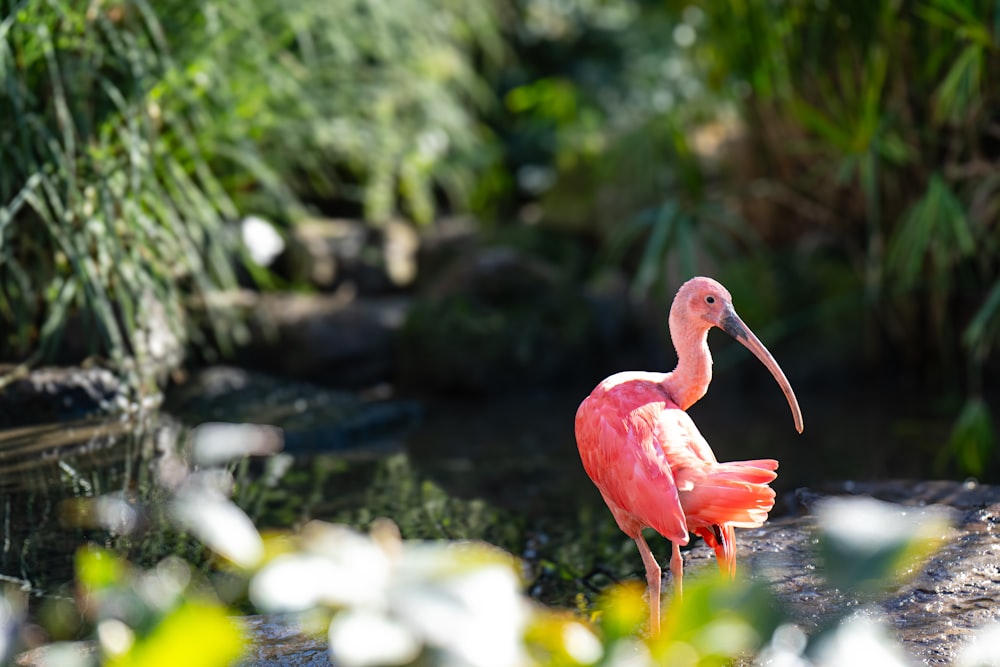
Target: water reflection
{"type": "Point", "coordinates": [108, 483]}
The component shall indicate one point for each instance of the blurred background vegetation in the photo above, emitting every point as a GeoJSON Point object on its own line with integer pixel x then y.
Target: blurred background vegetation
{"type": "Point", "coordinates": [833, 163]}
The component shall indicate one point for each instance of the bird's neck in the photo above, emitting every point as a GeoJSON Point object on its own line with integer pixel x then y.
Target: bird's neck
{"type": "Point", "coordinates": [689, 381]}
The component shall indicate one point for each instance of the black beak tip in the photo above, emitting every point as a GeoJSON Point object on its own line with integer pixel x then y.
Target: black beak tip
{"type": "Point", "coordinates": [732, 326]}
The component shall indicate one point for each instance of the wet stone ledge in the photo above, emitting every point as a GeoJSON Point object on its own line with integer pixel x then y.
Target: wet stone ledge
{"type": "Point", "coordinates": [277, 640]}
{"type": "Point", "coordinates": [934, 612]}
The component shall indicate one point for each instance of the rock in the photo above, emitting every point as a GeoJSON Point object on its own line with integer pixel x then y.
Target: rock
{"type": "Point", "coordinates": [276, 640]}
{"type": "Point", "coordinates": [329, 339]}
{"type": "Point", "coordinates": [934, 612]}
{"type": "Point", "coordinates": [49, 395]}
{"type": "Point", "coordinates": [329, 252]}
{"type": "Point", "coordinates": [441, 244]}
{"type": "Point", "coordinates": [494, 321]}
{"type": "Point", "coordinates": [314, 419]}
{"type": "Point", "coordinates": [60, 653]}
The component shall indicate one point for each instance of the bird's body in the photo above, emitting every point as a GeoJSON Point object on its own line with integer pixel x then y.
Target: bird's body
{"type": "Point", "coordinates": [650, 463]}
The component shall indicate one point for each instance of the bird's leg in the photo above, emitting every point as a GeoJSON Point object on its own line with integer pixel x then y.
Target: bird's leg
{"type": "Point", "coordinates": [652, 582]}
{"type": "Point", "coordinates": [677, 570]}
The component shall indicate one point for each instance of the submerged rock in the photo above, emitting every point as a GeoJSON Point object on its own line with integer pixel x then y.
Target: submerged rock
{"type": "Point", "coordinates": [313, 418]}
{"type": "Point", "coordinates": [50, 395]}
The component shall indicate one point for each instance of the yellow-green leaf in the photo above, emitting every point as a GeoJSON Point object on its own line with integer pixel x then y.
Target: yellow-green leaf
{"type": "Point", "coordinates": [98, 568]}
{"type": "Point", "coordinates": [195, 634]}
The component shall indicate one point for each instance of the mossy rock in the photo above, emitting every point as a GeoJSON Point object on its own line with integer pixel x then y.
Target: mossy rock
{"type": "Point", "coordinates": [494, 322]}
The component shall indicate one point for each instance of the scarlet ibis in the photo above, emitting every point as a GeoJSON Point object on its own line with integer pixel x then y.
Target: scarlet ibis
{"type": "Point", "coordinates": [650, 463]}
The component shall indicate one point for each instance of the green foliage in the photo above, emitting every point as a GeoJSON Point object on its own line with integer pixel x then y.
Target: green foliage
{"type": "Point", "coordinates": [768, 138]}
{"type": "Point", "coordinates": [100, 215]}
{"type": "Point", "coordinates": [423, 510]}
{"type": "Point", "coordinates": [973, 439]}
{"type": "Point", "coordinates": [934, 231]}
{"type": "Point", "coordinates": [139, 132]}
{"type": "Point", "coordinates": [717, 621]}
{"type": "Point", "coordinates": [364, 102]}
{"type": "Point", "coordinates": [871, 126]}
{"type": "Point", "coordinates": [722, 619]}
{"type": "Point", "coordinates": [614, 132]}
{"type": "Point", "coordinates": [157, 617]}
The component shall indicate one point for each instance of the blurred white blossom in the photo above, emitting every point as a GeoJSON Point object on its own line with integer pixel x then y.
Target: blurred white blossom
{"type": "Point", "coordinates": [213, 443]}
{"type": "Point", "coordinates": [581, 644]}
{"type": "Point", "coordinates": [220, 524]}
{"type": "Point", "coordinates": [867, 525]}
{"type": "Point", "coordinates": [261, 239]}
{"type": "Point", "coordinates": [302, 581]}
{"type": "Point", "coordinates": [982, 649]}
{"type": "Point", "coordinates": [394, 599]}
{"type": "Point", "coordinates": [860, 639]}
{"type": "Point", "coordinates": [359, 638]}
{"type": "Point", "coordinates": [786, 648]}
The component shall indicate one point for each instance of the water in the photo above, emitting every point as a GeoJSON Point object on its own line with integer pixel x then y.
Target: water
{"type": "Point", "coordinates": [503, 469]}
{"type": "Point", "coordinates": [471, 463]}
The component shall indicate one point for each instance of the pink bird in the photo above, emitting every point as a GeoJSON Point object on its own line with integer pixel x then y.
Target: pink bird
{"type": "Point", "coordinates": [650, 463]}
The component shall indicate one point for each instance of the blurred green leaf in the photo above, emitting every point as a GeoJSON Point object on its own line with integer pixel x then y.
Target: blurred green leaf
{"type": "Point", "coordinates": [196, 634]}
{"type": "Point", "coordinates": [557, 639]}
{"type": "Point", "coordinates": [984, 329]}
{"type": "Point", "coordinates": [867, 545]}
{"type": "Point", "coordinates": [143, 131]}
{"type": "Point", "coordinates": [719, 618]}
{"type": "Point", "coordinates": [972, 443]}
{"type": "Point", "coordinates": [622, 612]}
{"type": "Point", "coordinates": [958, 93]}
{"type": "Point", "coordinates": [98, 568]}
{"type": "Point", "coordinates": [934, 231]}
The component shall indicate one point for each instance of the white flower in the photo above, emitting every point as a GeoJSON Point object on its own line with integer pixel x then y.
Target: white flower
{"type": "Point", "coordinates": [982, 649]}
{"type": "Point", "coordinates": [262, 241]}
{"type": "Point", "coordinates": [867, 526]}
{"type": "Point", "coordinates": [361, 638]}
{"type": "Point", "coordinates": [476, 614]}
{"type": "Point", "coordinates": [299, 582]}
{"type": "Point", "coordinates": [861, 639]}
{"type": "Point", "coordinates": [219, 524]}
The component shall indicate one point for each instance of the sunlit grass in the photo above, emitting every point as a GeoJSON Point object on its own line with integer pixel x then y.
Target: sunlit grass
{"type": "Point", "coordinates": [136, 134]}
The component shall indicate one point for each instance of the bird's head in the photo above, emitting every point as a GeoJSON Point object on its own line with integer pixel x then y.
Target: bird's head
{"type": "Point", "coordinates": [702, 303]}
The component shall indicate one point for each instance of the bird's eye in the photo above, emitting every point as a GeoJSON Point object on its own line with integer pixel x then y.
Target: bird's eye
{"type": "Point", "coordinates": [709, 299]}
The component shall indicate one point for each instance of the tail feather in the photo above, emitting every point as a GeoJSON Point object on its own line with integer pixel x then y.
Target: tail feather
{"type": "Point", "coordinates": [723, 540]}
{"type": "Point", "coordinates": [721, 496]}
{"type": "Point", "coordinates": [728, 493]}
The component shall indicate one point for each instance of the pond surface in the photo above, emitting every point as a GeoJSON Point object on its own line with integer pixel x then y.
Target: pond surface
{"type": "Point", "coordinates": [504, 469]}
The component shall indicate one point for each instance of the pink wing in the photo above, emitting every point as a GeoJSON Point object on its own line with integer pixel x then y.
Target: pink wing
{"type": "Point", "coordinates": [655, 469]}
{"type": "Point", "coordinates": [630, 440]}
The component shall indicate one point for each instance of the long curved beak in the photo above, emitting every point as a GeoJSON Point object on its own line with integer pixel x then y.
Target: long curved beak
{"type": "Point", "coordinates": [733, 325]}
